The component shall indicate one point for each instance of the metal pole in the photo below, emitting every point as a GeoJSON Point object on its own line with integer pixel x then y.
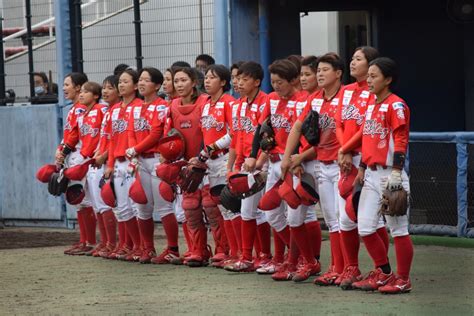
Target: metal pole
{"type": "Point", "coordinates": [264, 41]}
{"type": "Point", "coordinates": [201, 27]}
{"type": "Point", "coordinates": [78, 37]}
{"type": "Point", "coordinates": [221, 34]}
{"type": "Point", "coordinates": [138, 34]}
{"type": "Point", "coordinates": [29, 39]}
{"type": "Point", "coordinates": [2, 66]}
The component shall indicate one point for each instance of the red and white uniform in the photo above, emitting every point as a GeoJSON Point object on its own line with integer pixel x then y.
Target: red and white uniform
{"type": "Point", "coordinates": [385, 131]}
{"type": "Point", "coordinates": [119, 119]}
{"type": "Point", "coordinates": [76, 110]}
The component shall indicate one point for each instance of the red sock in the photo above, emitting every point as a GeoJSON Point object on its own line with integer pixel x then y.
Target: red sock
{"type": "Point", "coordinates": [147, 229]}
{"type": "Point", "coordinates": [264, 233]}
{"type": "Point", "coordinates": [382, 232]}
{"type": "Point", "coordinates": [187, 236]}
{"type": "Point", "coordinates": [91, 223]}
{"type": "Point", "coordinates": [351, 244]}
{"type": "Point", "coordinates": [82, 226]}
{"type": "Point", "coordinates": [279, 246]}
{"type": "Point", "coordinates": [285, 235]}
{"type": "Point", "coordinates": [229, 231]}
{"type": "Point", "coordinates": [256, 245]}
{"type": "Point", "coordinates": [237, 224]}
{"type": "Point", "coordinates": [336, 251]}
{"type": "Point", "coordinates": [133, 232]}
{"type": "Point", "coordinates": [300, 235]}
{"type": "Point", "coordinates": [170, 225]}
{"type": "Point", "coordinates": [110, 224]}
{"type": "Point", "coordinates": [249, 232]}
{"type": "Point", "coordinates": [293, 251]}
{"type": "Point", "coordinates": [404, 253]}
{"type": "Point", "coordinates": [314, 236]}
{"type": "Point", "coordinates": [122, 234]}
{"type": "Point", "coordinates": [376, 249]}
{"type": "Point", "coordinates": [102, 231]}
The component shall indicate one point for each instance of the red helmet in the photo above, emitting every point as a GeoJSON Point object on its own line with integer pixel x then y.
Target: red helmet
{"type": "Point", "coordinates": [108, 194]}
{"type": "Point", "coordinates": [306, 190]}
{"type": "Point", "coordinates": [167, 192]}
{"type": "Point", "coordinates": [44, 173]}
{"type": "Point", "coordinates": [78, 172]}
{"type": "Point", "coordinates": [271, 199]}
{"type": "Point", "coordinates": [352, 202]}
{"type": "Point", "coordinates": [172, 146]}
{"type": "Point", "coordinates": [346, 181]}
{"type": "Point", "coordinates": [287, 192]}
{"type": "Point", "coordinates": [169, 172]}
{"type": "Point", "coordinates": [245, 184]}
{"type": "Point", "coordinates": [136, 191]}
{"type": "Point", "coordinates": [75, 194]}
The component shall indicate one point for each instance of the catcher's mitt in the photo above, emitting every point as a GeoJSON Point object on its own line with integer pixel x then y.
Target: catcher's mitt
{"type": "Point", "coordinates": [267, 135]}
{"type": "Point", "coordinates": [191, 176]}
{"type": "Point", "coordinates": [57, 183]}
{"type": "Point", "coordinates": [394, 203]}
{"type": "Point", "coordinates": [310, 128]}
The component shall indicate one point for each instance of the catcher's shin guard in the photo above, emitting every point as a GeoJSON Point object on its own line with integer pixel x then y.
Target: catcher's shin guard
{"type": "Point", "coordinates": [195, 223]}
{"type": "Point", "coordinates": [216, 222]}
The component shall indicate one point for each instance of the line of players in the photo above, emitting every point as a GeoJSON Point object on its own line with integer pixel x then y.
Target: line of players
{"type": "Point", "coordinates": [363, 140]}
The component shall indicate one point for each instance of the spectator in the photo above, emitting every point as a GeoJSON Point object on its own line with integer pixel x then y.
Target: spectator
{"type": "Point", "coordinates": [203, 61]}
{"type": "Point", "coordinates": [41, 84]}
{"type": "Point", "coordinates": [120, 68]}
{"type": "Point", "coordinates": [181, 63]}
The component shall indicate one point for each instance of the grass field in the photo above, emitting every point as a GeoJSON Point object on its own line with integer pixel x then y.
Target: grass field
{"type": "Point", "coordinates": [44, 281]}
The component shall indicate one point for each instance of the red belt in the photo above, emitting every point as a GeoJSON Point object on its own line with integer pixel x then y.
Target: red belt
{"type": "Point", "coordinates": [374, 167]}
{"type": "Point", "coordinates": [147, 155]}
{"type": "Point", "coordinates": [219, 153]}
{"type": "Point", "coordinates": [274, 157]}
{"type": "Point", "coordinates": [327, 162]}
{"type": "Point", "coordinates": [120, 158]}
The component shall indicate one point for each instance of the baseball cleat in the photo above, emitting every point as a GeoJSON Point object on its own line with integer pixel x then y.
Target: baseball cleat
{"type": "Point", "coordinates": [396, 286]}
{"type": "Point", "coordinates": [166, 257]}
{"type": "Point", "coordinates": [308, 269]}
{"type": "Point", "coordinates": [147, 255]}
{"type": "Point", "coordinates": [81, 251]}
{"type": "Point", "coordinates": [328, 278]}
{"type": "Point", "coordinates": [95, 250]}
{"type": "Point", "coordinates": [285, 272]}
{"type": "Point", "coordinates": [374, 280]}
{"type": "Point", "coordinates": [262, 260]}
{"type": "Point", "coordinates": [269, 268]}
{"type": "Point", "coordinates": [73, 247]}
{"type": "Point", "coordinates": [105, 252]}
{"type": "Point", "coordinates": [241, 265]}
{"type": "Point", "coordinates": [122, 253]}
{"type": "Point", "coordinates": [134, 255]}
{"type": "Point", "coordinates": [219, 257]}
{"type": "Point", "coordinates": [350, 275]}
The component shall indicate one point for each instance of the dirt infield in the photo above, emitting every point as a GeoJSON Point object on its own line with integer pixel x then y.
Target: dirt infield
{"type": "Point", "coordinates": [42, 280]}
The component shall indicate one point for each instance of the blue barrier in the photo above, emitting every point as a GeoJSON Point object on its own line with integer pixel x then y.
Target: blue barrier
{"type": "Point", "coordinates": [461, 139]}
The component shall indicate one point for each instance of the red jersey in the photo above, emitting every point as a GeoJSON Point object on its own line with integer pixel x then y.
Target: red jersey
{"type": "Point", "coordinates": [282, 114]}
{"type": "Point", "coordinates": [105, 130]}
{"type": "Point", "coordinates": [145, 126]}
{"type": "Point", "coordinates": [76, 110]}
{"type": "Point", "coordinates": [87, 130]}
{"type": "Point", "coordinates": [119, 118]}
{"type": "Point", "coordinates": [351, 111]}
{"type": "Point", "coordinates": [328, 143]}
{"type": "Point", "coordinates": [186, 119]}
{"type": "Point", "coordinates": [385, 131]}
{"type": "Point", "coordinates": [216, 118]}
{"type": "Point", "coordinates": [248, 118]}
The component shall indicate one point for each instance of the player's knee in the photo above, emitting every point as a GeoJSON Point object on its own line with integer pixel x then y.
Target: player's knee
{"type": "Point", "coordinates": [333, 225]}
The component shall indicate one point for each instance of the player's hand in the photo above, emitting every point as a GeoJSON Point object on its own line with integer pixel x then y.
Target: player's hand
{"type": "Point", "coordinates": [249, 164]}
{"type": "Point", "coordinates": [345, 163]}
{"type": "Point", "coordinates": [59, 158]}
{"type": "Point", "coordinates": [395, 180]}
{"type": "Point", "coordinates": [130, 152]}
{"type": "Point", "coordinates": [285, 166]}
{"type": "Point", "coordinates": [360, 177]}
{"type": "Point", "coordinates": [108, 172]}
{"type": "Point", "coordinates": [298, 170]}
{"type": "Point", "coordinates": [296, 160]}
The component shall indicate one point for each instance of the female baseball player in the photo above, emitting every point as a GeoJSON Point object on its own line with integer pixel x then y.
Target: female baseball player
{"type": "Point", "coordinates": [325, 102]}
{"type": "Point", "coordinates": [168, 87]}
{"type": "Point", "coordinates": [85, 214]}
{"type": "Point", "coordinates": [145, 129]}
{"type": "Point", "coordinates": [280, 110]}
{"type": "Point", "coordinates": [349, 119]}
{"type": "Point", "coordinates": [87, 132]}
{"type": "Point", "coordinates": [246, 112]}
{"type": "Point", "coordinates": [110, 95]}
{"type": "Point", "coordinates": [384, 145]}
{"type": "Point", "coordinates": [128, 247]}
{"type": "Point", "coordinates": [184, 116]}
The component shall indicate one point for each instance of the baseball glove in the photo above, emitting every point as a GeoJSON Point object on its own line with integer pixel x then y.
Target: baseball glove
{"type": "Point", "coordinates": [57, 183]}
{"type": "Point", "coordinates": [191, 176]}
{"type": "Point", "coordinates": [310, 128]}
{"type": "Point", "coordinates": [267, 135]}
{"type": "Point", "coordinates": [230, 201]}
{"type": "Point", "coordinates": [394, 202]}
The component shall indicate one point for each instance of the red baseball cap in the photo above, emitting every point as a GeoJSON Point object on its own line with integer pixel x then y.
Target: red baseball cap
{"type": "Point", "coordinates": [306, 190]}
{"type": "Point", "coordinates": [352, 203]}
{"type": "Point", "coordinates": [108, 194]}
{"type": "Point", "coordinates": [271, 199]}
{"type": "Point", "coordinates": [287, 192]}
{"type": "Point", "coordinates": [169, 172]}
{"type": "Point", "coordinates": [75, 194]}
{"type": "Point", "coordinates": [136, 191]}
{"type": "Point", "coordinates": [45, 172]}
{"type": "Point", "coordinates": [166, 191]}
{"type": "Point", "coordinates": [78, 172]}
{"type": "Point", "coordinates": [346, 182]}
{"type": "Point", "coordinates": [241, 183]}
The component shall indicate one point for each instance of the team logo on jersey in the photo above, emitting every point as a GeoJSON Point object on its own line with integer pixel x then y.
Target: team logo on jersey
{"type": "Point", "coordinates": [86, 129]}
{"type": "Point", "coordinates": [185, 124]}
{"type": "Point", "coordinates": [141, 125]}
{"type": "Point", "coordinates": [246, 125]}
{"type": "Point", "coordinates": [119, 126]}
{"type": "Point", "coordinates": [67, 126]}
{"type": "Point", "coordinates": [351, 112]}
{"type": "Point", "coordinates": [372, 127]}
{"type": "Point", "coordinates": [279, 121]}
{"type": "Point", "coordinates": [209, 122]}
{"type": "Point", "coordinates": [327, 122]}
{"type": "Point", "coordinates": [400, 114]}
{"type": "Point", "coordinates": [235, 124]}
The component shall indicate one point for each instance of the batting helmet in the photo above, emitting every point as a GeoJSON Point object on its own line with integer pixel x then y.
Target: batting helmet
{"type": "Point", "coordinates": [78, 172]}
{"type": "Point", "coordinates": [172, 147]}
{"type": "Point", "coordinates": [107, 193]}
{"type": "Point", "coordinates": [271, 199]}
{"type": "Point", "coordinates": [45, 172]}
{"type": "Point", "coordinates": [75, 194]}
{"type": "Point", "coordinates": [306, 190]}
{"type": "Point", "coordinates": [169, 172]}
{"type": "Point", "coordinates": [244, 185]}
{"type": "Point", "coordinates": [136, 191]}
{"type": "Point", "coordinates": [352, 202]}
{"type": "Point", "coordinates": [287, 192]}
{"type": "Point", "coordinates": [346, 182]}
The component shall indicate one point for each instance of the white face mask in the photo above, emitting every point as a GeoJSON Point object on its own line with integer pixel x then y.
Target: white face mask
{"type": "Point", "coordinates": [39, 90]}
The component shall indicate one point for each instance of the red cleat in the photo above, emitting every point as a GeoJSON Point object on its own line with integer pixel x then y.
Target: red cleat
{"type": "Point", "coordinates": [147, 256]}
{"type": "Point", "coordinates": [306, 270]}
{"type": "Point", "coordinates": [396, 286]}
{"type": "Point", "coordinates": [166, 257]}
{"type": "Point", "coordinates": [328, 278]}
{"type": "Point", "coordinates": [350, 275]}
{"type": "Point", "coordinates": [374, 280]}
{"type": "Point", "coordinates": [285, 272]}
{"type": "Point", "coordinates": [240, 266]}
{"type": "Point", "coordinates": [73, 247]}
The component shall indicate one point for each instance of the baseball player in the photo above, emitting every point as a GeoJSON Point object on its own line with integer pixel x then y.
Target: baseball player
{"type": "Point", "coordinates": [85, 213]}
{"type": "Point", "coordinates": [145, 129]}
{"type": "Point", "coordinates": [246, 113]}
{"type": "Point", "coordinates": [384, 144]}
{"type": "Point", "coordinates": [128, 247]}
{"type": "Point", "coordinates": [184, 116]}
